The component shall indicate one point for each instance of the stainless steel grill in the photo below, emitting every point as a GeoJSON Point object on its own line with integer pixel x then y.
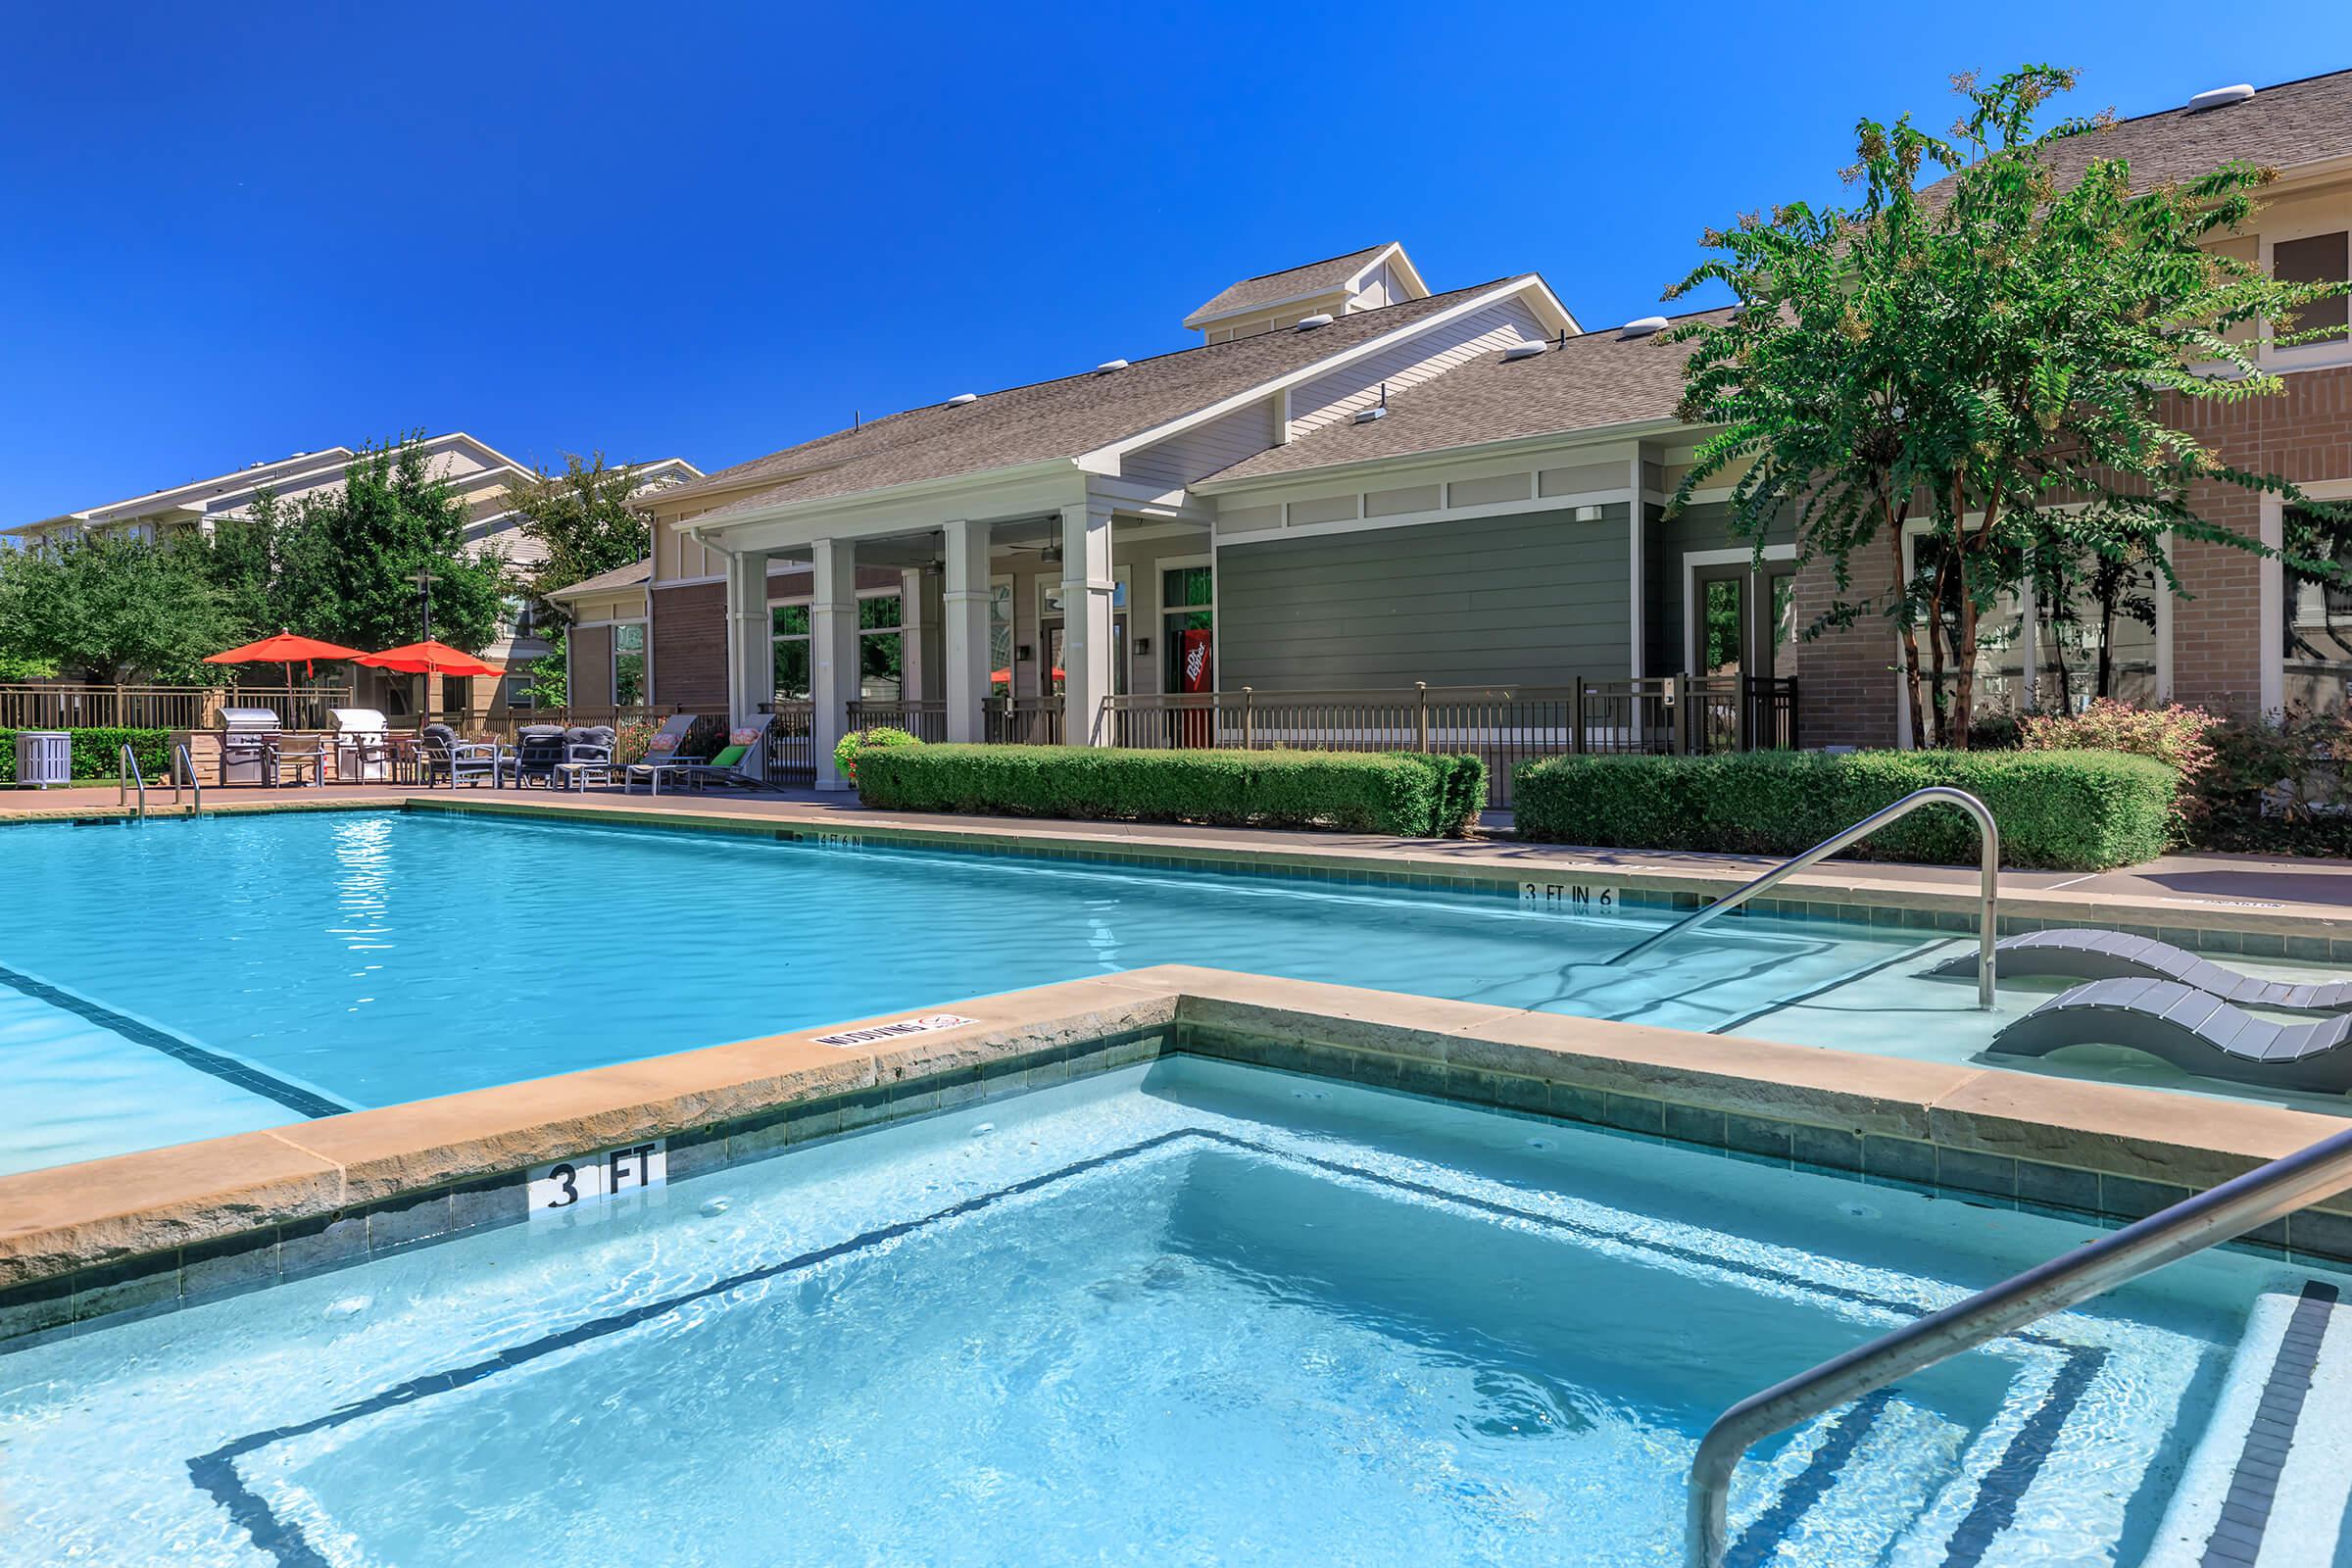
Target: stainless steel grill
{"type": "Point", "coordinates": [248, 742]}
{"type": "Point", "coordinates": [361, 752]}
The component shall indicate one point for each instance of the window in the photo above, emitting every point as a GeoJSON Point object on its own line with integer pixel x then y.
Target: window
{"type": "Point", "coordinates": [881, 649]}
{"type": "Point", "coordinates": [999, 637]}
{"type": "Point", "coordinates": [2001, 665]}
{"type": "Point", "coordinates": [2094, 633]}
{"type": "Point", "coordinates": [2318, 258]}
{"type": "Point", "coordinates": [2318, 635]}
{"type": "Point", "coordinates": [788, 638]}
{"type": "Point", "coordinates": [628, 665]}
{"type": "Point", "coordinates": [1187, 605]}
{"type": "Point", "coordinates": [518, 691]}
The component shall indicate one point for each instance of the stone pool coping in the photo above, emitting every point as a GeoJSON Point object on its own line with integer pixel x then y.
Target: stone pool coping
{"type": "Point", "coordinates": [150, 1232]}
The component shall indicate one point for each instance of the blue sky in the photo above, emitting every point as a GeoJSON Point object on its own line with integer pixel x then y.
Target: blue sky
{"type": "Point", "coordinates": [228, 233]}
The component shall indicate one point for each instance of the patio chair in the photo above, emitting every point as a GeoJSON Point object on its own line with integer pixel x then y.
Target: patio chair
{"type": "Point", "coordinates": [663, 758]}
{"type": "Point", "coordinates": [587, 757]}
{"type": "Point", "coordinates": [739, 765]}
{"type": "Point", "coordinates": [539, 750]}
{"type": "Point", "coordinates": [441, 755]}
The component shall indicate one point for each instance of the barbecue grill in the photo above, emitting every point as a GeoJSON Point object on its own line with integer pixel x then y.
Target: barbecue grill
{"type": "Point", "coordinates": [248, 744]}
{"type": "Point", "coordinates": [363, 753]}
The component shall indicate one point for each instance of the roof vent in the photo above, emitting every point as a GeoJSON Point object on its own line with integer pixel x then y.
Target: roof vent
{"type": "Point", "coordinates": [1307, 323]}
{"type": "Point", "coordinates": [1111, 365]}
{"type": "Point", "coordinates": [1643, 326]}
{"type": "Point", "coordinates": [1522, 351]}
{"type": "Point", "coordinates": [2219, 98]}
{"type": "Point", "coordinates": [962, 398]}
{"type": "Point", "coordinates": [1367, 416]}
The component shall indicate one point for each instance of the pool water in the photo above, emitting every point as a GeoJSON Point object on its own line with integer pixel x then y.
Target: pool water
{"type": "Point", "coordinates": [1190, 1313]}
{"type": "Point", "coordinates": [316, 961]}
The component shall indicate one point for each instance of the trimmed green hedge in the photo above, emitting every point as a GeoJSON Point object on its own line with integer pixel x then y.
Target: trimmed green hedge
{"type": "Point", "coordinates": [2078, 810]}
{"type": "Point", "coordinates": [97, 752]}
{"type": "Point", "coordinates": [1406, 794]}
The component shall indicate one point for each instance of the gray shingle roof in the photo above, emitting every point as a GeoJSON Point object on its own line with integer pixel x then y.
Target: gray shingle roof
{"type": "Point", "coordinates": [1052, 418]}
{"type": "Point", "coordinates": [1271, 288]}
{"type": "Point", "coordinates": [2294, 123]}
{"type": "Point", "coordinates": [628, 576]}
{"type": "Point", "coordinates": [1597, 379]}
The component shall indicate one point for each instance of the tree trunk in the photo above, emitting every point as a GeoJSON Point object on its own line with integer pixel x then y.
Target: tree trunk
{"type": "Point", "coordinates": [1910, 640]}
{"type": "Point", "coordinates": [1964, 675]}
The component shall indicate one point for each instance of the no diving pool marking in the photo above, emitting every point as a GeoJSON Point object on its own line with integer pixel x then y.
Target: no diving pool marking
{"type": "Point", "coordinates": [216, 1473]}
{"type": "Point", "coordinates": [228, 1069]}
{"type": "Point", "coordinates": [847, 1038]}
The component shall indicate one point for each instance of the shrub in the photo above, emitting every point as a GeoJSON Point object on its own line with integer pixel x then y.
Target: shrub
{"type": "Point", "coordinates": [2275, 785]}
{"type": "Point", "coordinates": [97, 753]}
{"type": "Point", "coordinates": [858, 742]}
{"type": "Point", "coordinates": [633, 740]}
{"type": "Point", "coordinates": [2077, 810]}
{"type": "Point", "coordinates": [1377, 792]}
{"type": "Point", "coordinates": [2177, 735]}
{"type": "Point", "coordinates": [1460, 779]}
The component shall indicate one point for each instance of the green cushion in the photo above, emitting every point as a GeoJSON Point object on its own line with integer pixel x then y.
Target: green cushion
{"type": "Point", "coordinates": [730, 756]}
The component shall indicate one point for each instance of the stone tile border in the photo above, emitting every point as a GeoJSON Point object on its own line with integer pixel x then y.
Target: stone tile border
{"type": "Point", "coordinates": [151, 1232]}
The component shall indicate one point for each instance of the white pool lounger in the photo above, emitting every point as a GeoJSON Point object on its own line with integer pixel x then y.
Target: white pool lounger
{"type": "Point", "coordinates": [2192, 1029]}
{"type": "Point", "coordinates": [2090, 954]}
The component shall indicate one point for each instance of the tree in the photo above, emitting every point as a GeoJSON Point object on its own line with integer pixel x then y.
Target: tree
{"type": "Point", "coordinates": [108, 608]}
{"type": "Point", "coordinates": [582, 519]}
{"type": "Point", "coordinates": [548, 674]}
{"type": "Point", "coordinates": [347, 560]}
{"type": "Point", "coordinates": [2001, 356]}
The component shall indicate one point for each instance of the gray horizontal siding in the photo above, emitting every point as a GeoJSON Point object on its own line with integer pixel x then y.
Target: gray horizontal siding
{"type": "Point", "coordinates": [1531, 600]}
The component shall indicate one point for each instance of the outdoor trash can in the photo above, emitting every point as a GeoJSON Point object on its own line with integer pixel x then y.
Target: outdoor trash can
{"type": "Point", "coordinates": [44, 756]}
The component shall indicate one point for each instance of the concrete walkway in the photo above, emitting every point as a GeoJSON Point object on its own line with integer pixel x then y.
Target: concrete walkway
{"type": "Point", "coordinates": [2187, 888]}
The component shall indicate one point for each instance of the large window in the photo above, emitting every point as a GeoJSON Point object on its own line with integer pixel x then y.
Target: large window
{"type": "Point", "coordinates": [881, 649]}
{"type": "Point", "coordinates": [2317, 259]}
{"type": "Point", "coordinates": [628, 665]}
{"type": "Point", "coordinates": [2317, 640]}
{"type": "Point", "coordinates": [2094, 632]}
{"type": "Point", "coordinates": [999, 637]}
{"type": "Point", "coordinates": [1188, 604]}
{"type": "Point", "coordinates": [2001, 635]}
{"type": "Point", "coordinates": [788, 637]}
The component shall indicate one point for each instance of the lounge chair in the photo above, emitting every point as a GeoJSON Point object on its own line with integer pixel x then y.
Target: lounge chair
{"type": "Point", "coordinates": [738, 764]}
{"type": "Point", "coordinates": [587, 757]}
{"type": "Point", "coordinates": [441, 755]}
{"type": "Point", "coordinates": [2195, 1032]}
{"type": "Point", "coordinates": [661, 755]}
{"type": "Point", "coordinates": [538, 752]}
{"type": "Point", "coordinates": [2085, 955]}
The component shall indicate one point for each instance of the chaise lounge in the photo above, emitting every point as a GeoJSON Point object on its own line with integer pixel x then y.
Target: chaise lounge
{"type": "Point", "coordinates": [2192, 1029]}
{"type": "Point", "coordinates": [2087, 955]}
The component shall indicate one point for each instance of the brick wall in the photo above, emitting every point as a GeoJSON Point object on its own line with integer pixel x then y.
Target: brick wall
{"type": "Point", "coordinates": [1846, 684]}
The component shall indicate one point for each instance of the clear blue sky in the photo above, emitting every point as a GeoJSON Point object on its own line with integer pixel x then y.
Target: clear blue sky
{"type": "Point", "coordinates": [229, 232]}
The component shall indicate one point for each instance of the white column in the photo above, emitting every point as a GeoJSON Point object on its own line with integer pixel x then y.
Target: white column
{"type": "Point", "coordinates": [965, 606]}
{"type": "Point", "coordinates": [1638, 585]}
{"type": "Point", "coordinates": [751, 668]}
{"type": "Point", "coordinates": [913, 635]}
{"type": "Point", "coordinates": [832, 651]}
{"type": "Point", "coordinates": [1087, 588]}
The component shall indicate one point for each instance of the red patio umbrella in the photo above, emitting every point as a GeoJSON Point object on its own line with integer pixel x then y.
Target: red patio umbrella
{"type": "Point", "coordinates": [284, 648]}
{"type": "Point", "coordinates": [430, 659]}
{"type": "Point", "coordinates": [1006, 675]}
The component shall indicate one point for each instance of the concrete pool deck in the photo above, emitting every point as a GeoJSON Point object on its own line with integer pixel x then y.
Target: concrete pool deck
{"type": "Point", "coordinates": [2298, 908]}
{"type": "Point", "coordinates": [150, 1232]}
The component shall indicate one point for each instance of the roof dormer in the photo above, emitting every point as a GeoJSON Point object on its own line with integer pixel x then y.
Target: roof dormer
{"type": "Point", "coordinates": [1361, 280]}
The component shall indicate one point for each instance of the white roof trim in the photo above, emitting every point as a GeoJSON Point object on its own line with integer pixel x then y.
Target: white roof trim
{"type": "Point", "coordinates": [1102, 459]}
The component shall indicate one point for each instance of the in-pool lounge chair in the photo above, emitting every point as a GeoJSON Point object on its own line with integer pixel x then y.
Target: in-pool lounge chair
{"type": "Point", "coordinates": [2085, 955]}
{"type": "Point", "coordinates": [2194, 1030]}
{"type": "Point", "coordinates": [662, 756]}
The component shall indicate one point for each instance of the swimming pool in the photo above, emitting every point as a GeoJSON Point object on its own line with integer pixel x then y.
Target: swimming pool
{"type": "Point", "coordinates": [1196, 1312]}
{"type": "Point", "coordinates": [183, 979]}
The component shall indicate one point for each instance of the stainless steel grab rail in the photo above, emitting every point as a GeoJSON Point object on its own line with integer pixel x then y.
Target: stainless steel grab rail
{"type": "Point", "coordinates": [180, 759]}
{"type": "Point", "coordinates": [2246, 1203]}
{"type": "Point", "coordinates": [1988, 877]}
{"type": "Point", "coordinates": [127, 774]}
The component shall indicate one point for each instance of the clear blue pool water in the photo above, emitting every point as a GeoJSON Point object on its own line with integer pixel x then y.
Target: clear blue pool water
{"type": "Point", "coordinates": [1191, 1314]}
{"type": "Point", "coordinates": [364, 959]}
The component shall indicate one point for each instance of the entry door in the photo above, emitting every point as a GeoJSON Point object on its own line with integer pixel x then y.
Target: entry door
{"type": "Point", "coordinates": [1746, 619]}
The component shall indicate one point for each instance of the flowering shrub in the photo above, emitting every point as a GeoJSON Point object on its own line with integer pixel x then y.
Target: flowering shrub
{"type": "Point", "coordinates": [632, 739]}
{"type": "Point", "coordinates": [856, 742]}
{"type": "Point", "coordinates": [2177, 735]}
{"type": "Point", "coordinates": [2276, 784]}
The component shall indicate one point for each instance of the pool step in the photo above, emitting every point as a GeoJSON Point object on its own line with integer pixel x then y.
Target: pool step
{"type": "Point", "coordinates": [1865, 1477]}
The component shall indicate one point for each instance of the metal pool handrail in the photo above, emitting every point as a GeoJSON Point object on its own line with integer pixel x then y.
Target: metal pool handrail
{"type": "Point", "coordinates": [127, 774]}
{"type": "Point", "coordinates": [180, 759]}
{"type": "Point", "coordinates": [2244, 1203]}
{"type": "Point", "coordinates": [1988, 877]}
